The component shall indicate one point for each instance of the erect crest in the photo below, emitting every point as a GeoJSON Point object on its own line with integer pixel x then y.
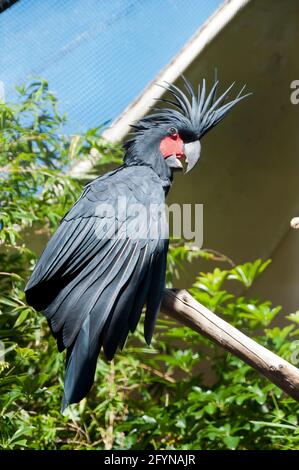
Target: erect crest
{"type": "Point", "coordinates": [201, 111]}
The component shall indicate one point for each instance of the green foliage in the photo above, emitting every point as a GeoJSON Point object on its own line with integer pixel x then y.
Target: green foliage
{"type": "Point", "coordinates": [156, 397]}
{"type": "Point", "coordinates": [34, 154]}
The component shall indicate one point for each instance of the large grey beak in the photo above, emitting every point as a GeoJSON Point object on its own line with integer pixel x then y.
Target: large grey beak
{"type": "Point", "coordinates": [192, 153]}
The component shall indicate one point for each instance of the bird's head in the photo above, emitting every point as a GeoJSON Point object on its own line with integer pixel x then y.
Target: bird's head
{"type": "Point", "coordinates": [172, 135]}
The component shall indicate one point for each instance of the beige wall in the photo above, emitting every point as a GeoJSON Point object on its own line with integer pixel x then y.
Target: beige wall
{"type": "Point", "coordinates": [248, 175]}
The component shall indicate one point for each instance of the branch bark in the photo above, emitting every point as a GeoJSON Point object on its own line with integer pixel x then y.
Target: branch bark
{"type": "Point", "coordinates": [181, 306]}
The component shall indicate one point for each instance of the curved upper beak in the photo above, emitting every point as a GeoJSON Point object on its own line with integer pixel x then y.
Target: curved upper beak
{"type": "Point", "coordinates": [192, 154]}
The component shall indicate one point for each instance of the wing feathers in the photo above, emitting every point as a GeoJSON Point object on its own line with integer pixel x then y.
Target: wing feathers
{"type": "Point", "coordinates": [155, 292]}
{"type": "Point", "coordinates": [118, 325]}
{"type": "Point", "coordinates": [95, 274]}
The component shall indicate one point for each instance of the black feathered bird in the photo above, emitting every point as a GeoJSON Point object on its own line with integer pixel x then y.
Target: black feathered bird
{"type": "Point", "coordinates": [104, 263]}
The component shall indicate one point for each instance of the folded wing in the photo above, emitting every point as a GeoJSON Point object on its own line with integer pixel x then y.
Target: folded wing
{"type": "Point", "coordinates": [105, 261]}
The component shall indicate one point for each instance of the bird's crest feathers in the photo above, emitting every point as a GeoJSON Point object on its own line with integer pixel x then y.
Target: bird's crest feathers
{"type": "Point", "coordinates": [200, 111]}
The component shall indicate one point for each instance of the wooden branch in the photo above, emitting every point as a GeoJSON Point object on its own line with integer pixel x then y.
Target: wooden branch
{"type": "Point", "coordinates": [295, 223]}
{"type": "Point", "coordinates": [180, 305]}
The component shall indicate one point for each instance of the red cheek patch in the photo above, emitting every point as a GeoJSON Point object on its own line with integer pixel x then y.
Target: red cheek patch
{"type": "Point", "coordinates": [172, 145]}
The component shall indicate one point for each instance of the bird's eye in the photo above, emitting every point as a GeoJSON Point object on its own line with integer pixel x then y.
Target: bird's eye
{"type": "Point", "coordinates": [172, 131]}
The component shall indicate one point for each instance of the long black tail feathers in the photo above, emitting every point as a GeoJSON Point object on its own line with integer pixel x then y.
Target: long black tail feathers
{"type": "Point", "coordinates": [81, 364]}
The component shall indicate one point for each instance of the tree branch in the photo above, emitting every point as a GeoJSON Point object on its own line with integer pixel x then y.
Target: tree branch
{"type": "Point", "coordinates": [180, 305]}
{"type": "Point", "coordinates": [295, 222]}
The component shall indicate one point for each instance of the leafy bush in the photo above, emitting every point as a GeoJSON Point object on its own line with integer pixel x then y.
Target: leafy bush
{"type": "Point", "coordinates": [156, 397]}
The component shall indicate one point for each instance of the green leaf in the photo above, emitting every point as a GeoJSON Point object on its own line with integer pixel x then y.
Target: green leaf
{"type": "Point", "coordinates": [231, 442]}
{"type": "Point", "coordinates": [294, 317]}
{"type": "Point", "coordinates": [149, 419]}
{"type": "Point", "coordinates": [247, 273]}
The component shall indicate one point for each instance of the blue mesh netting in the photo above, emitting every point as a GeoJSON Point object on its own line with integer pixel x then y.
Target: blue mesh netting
{"type": "Point", "coordinates": [97, 55]}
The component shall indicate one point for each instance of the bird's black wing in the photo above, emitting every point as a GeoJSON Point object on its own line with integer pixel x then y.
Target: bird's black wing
{"type": "Point", "coordinates": [106, 260]}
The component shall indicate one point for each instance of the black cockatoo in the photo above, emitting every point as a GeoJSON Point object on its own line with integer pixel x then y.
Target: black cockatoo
{"type": "Point", "coordinates": [104, 263]}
